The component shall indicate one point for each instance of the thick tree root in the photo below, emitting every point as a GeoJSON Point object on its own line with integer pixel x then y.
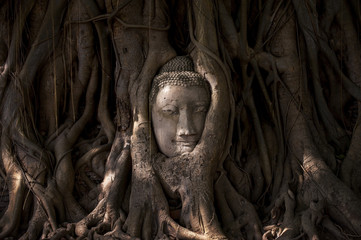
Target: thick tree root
{"type": "Point", "coordinates": [236, 212]}
{"type": "Point", "coordinates": [11, 218]}
{"type": "Point", "coordinates": [198, 213]}
{"type": "Point", "coordinates": [284, 222]}
{"type": "Point", "coordinates": [16, 186]}
{"type": "Point", "coordinates": [83, 226]}
{"type": "Point", "coordinates": [36, 223]}
{"type": "Point", "coordinates": [309, 200]}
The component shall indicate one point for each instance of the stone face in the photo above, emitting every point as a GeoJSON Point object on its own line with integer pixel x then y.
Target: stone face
{"type": "Point", "coordinates": [179, 100]}
{"type": "Point", "coordinates": [245, 133]}
{"type": "Point", "coordinates": [178, 116]}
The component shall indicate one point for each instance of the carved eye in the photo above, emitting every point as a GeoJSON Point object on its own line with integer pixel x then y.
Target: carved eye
{"type": "Point", "coordinates": [200, 109]}
{"type": "Point", "coordinates": [170, 110]}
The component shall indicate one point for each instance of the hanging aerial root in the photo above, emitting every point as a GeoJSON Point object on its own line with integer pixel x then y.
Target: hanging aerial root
{"type": "Point", "coordinates": [16, 41]}
{"type": "Point", "coordinates": [350, 170]}
{"type": "Point", "coordinates": [62, 144]}
{"type": "Point", "coordinates": [43, 46]}
{"type": "Point", "coordinates": [306, 17]}
{"type": "Point", "coordinates": [103, 109]}
{"type": "Point", "coordinates": [265, 161]}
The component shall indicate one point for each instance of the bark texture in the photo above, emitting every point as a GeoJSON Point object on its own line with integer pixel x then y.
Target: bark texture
{"type": "Point", "coordinates": [280, 153]}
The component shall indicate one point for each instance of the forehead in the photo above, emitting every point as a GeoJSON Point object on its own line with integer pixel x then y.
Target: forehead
{"type": "Point", "coordinates": [182, 94]}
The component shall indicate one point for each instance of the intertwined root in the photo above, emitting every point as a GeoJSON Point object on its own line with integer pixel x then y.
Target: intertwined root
{"type": "Point", "coordinates": [21, 160]}
{"type": "Point", "coordinates": [236, 212]}
{"type": "Point", "coordinates": [83, 226]}
{"type": "Point", "coordinates": [194, 189]}
{"type": "Point", "coordinates": [11, 218]}
{"type": "Point", "coordinates": [36, 223]}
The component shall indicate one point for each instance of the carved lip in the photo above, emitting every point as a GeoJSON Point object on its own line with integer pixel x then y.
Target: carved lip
{"type": "Point", "coordinates": [187, 143]}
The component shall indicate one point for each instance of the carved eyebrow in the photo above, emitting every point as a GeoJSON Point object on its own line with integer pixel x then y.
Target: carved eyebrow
{"type": "Point", "coordinates": [201, 103]}
{"type": "Point", "coordinates": [166, 102]}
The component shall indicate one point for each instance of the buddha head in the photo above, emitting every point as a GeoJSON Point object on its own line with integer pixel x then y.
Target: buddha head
{"type": "Point", "coordinates": [180, 99]}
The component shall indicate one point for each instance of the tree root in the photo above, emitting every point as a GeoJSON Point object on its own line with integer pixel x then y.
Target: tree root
{"type": "Point", "coordinates": [139, 225]}
{"type": "Point", "coordinates": [11, 218]}
{"type": "Point", "coordinates": [108, 210]}
{"type": "Point", "coordinates": [332, 191]}
{"type": "Point", "coordinates": [36, 223]}
{"type": "Point", "coordinates": [236, 212]}
{"type": "Point", "coordinates": [240, 179]}
{"type": "Point", "coordinates": [195, 192]}
{"type": "Point", "coordinates": [83, 226]}
{"type": "Point", "coordinates": [103, 111]}
{"type": "Point", "coordinates": [278, 232]}
{"type": "Point", "coordinates": [136, 206]}
{"type": "Point", "coordinates": [309, 220]}
{"type": "Point", "coordinates": [87, 157]}
{"type": "Point", "coordinates": [314, 218]}
{"type": "Point", "coordinates": [284, 206]}
{"type": "Point", "coordinates": [50, 199]}
{"type": "Point", "coordinates": [64, 231]}
{"type": "Point", "coordinates": [13, 53]}
{"type": "Point", "coordinates": [16, 187]}
{"type": "Point", "coordinates": [117, 232]}
{"type": "Point", "coordinates": [334, 229]}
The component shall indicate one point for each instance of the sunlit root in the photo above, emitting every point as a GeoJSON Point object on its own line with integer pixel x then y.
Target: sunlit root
{"type": "Point", "coordinates": [196, 194]}
{"type": "Point", "coordinates": [277, 232]}
{"type": "Point", "coordinates": [157, 210]}
{"type": "Point", "coordinates": [333, 193]}
{"type": "Point", "coordinates": [108, 210]}
{"type": "Point", "coordinates": [169, 229]}
{"type": "Point", "coordinates": [11, 218]}
{"type": "Point", "coordinates": [117, 232]}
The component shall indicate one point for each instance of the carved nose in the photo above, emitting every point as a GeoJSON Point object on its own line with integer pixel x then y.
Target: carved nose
{"type": "Point", "coordinates": [186, 125]}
